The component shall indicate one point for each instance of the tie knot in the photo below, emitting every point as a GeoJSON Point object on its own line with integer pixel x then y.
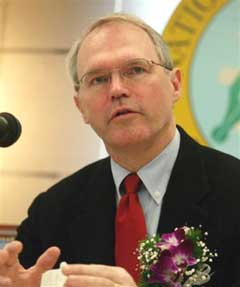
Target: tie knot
{"type": "Point", "coordinates": [131, 183]}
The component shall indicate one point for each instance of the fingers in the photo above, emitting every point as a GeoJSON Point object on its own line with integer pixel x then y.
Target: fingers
{"type": "Point", "coordinates": [13, 249]}
{"type": "Point", "coordinates": [96, 275]}
{"type": "Point", "coordinates": [88, 281]}
{"type": "Point", "coordinates": [44, 263]}
{"type": "Point", "coordinates": [95, 270]}
{"type": "Point", "coordinates": [3, 256]}
{"type": "Point", "coordinates": [9, 262]}
{"type": "Point", "coordinates": [4, 281]}
{"type": "Point", "coordinates": [48, 259]}
{"type": "Point", "coordinates": [9, 254]}
{"type": "Point", "coordinates": [14, 275]}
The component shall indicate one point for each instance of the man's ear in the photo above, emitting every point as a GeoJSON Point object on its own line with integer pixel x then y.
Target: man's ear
{"type": "Point", "coordinates": [176, 79]}
{"type": "Point", "coordinates": [80, 106]}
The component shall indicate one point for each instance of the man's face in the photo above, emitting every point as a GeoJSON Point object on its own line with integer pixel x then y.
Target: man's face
{"type": "Point", "coordinates": [125, 114]}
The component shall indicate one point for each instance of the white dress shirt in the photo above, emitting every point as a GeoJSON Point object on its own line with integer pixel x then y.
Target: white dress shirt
{"type": "Point", "coordinates": [155, 176]}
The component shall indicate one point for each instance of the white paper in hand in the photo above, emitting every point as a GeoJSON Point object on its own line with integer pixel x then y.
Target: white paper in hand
{"type": "Point", "coordinates": [53, 278]}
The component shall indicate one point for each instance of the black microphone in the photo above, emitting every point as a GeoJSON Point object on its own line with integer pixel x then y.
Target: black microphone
{"type": "Point", "coordinates": [10, 129]}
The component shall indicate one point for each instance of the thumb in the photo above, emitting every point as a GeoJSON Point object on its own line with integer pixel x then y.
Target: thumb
{"type": "Point", "coordinates": [46, 261]}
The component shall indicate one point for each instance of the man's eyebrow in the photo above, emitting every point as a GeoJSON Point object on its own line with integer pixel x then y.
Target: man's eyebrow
{"type": "Point", "coordinates": [93, 71]}
{"type": "Point", "coordinates": [99, 69]}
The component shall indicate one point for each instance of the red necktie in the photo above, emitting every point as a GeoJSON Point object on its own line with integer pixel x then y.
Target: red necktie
{"type": "Point", "coordinates": [130, 227]}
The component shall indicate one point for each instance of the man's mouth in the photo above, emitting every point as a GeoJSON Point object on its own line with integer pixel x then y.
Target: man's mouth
{"type": "Point", "coordinates": [121, 112]}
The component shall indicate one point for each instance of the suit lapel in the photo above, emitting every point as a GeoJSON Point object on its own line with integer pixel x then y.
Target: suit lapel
{"type": "Point", "coordinates": [186, 190]}
{"type": "Point", "coordinates": [91, 232]}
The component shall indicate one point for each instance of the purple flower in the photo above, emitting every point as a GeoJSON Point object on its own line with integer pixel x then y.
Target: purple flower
{"type": "Point", "coordinates": [171, 240]}
{"type": "Point", "coordinates": [165, 271]}
{"type": "Point", "coordinates": [165, 260]}
{"type": "Point", "coordinates": [182, 254]}
{"type": "Point", "coordinates": [171, 264]}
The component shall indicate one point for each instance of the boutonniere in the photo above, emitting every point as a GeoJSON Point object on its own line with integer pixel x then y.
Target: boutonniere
{"type": "Point", "coordinates": [177, 259]}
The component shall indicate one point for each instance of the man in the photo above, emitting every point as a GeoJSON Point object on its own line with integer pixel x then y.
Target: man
{"type": "Point", "coordinates": [126, 88]}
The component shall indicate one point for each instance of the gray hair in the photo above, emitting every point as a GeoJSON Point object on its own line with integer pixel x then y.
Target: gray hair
{"type": "Point", "coordinates": [160, 45]}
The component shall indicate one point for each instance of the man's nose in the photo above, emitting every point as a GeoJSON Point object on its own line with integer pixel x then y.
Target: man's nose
{"type": "Point", "coordinates": [118, 87]}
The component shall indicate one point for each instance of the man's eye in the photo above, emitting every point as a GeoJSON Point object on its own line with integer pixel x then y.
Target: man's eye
{"type": "Point", "coordinates": [135, 70]}
{"type": "Point", "coordinates": [98, 80]}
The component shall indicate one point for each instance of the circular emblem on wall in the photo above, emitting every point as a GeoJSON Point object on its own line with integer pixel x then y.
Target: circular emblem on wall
{"type": "Point", "coordinates": [204, 39]}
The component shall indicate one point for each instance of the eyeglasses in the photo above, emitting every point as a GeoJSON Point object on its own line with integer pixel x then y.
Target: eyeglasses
{"type": "Point", "coordinates": [130, 71]}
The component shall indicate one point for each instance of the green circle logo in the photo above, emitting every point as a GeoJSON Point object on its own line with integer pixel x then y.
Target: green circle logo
{"type": "Point", "coordinates": [203, 37]}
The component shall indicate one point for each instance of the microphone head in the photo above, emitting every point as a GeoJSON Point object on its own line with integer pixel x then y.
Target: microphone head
{"type": "Point", "coordinates": [10, 129]}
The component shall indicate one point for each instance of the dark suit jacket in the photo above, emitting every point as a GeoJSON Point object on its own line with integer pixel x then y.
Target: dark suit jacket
{"type": "Point", "coordinates": [78, 213]}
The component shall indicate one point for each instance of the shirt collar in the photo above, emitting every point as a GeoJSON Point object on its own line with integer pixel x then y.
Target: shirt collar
{"type": "Point", "coordinates": [155, 174]}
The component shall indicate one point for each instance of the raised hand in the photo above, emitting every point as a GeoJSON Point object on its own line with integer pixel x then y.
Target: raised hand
{"type": "Point", "coordinates": [13, 274]}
